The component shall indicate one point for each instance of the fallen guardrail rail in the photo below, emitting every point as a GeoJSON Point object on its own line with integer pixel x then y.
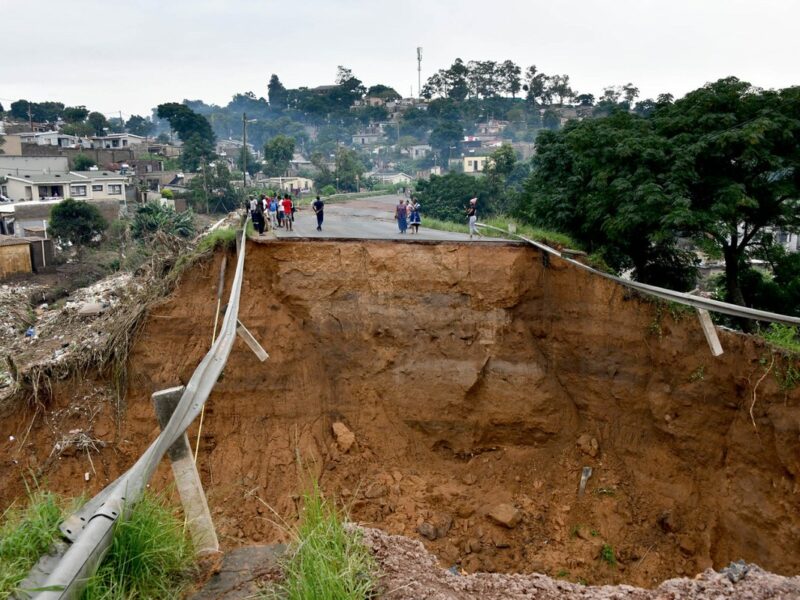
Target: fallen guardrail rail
{"type": "Point", "coordinates": [90, 530]}
{"type": "Point", "coordinates": [703, 305]}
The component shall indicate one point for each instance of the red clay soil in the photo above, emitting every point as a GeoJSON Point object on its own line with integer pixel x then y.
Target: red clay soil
{"type": "Point", "coordinates": [471, 376]}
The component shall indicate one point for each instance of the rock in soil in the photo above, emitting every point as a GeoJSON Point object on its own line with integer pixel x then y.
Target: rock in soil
{"type": "Point", "coordinates": [344, 437]}
{"type": "Point", "coordinates": [505, 515]}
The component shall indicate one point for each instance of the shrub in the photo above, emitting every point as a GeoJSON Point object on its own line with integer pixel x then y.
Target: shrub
{"type": "Point", "coordinates": [76, 222]}
{"type": "Point", "coordinates": [167, 194]}
{"type": "Point", "coordinates": [152, 218]}
{"type": "Point", "coordinates": [82, 162]}
{"type": "Point", "coordinates": [328, 190]}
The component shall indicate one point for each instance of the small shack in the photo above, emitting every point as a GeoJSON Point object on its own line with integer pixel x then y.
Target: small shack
{"type": "Point", "coordinates": [42, 253]}
{"type": "Point", "coordinates": [15, 255]}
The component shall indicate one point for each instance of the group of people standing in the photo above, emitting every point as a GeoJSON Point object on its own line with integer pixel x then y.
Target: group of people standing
{"type": "Point", "coordinates": [272, 212]}
{"type": "Point", "coordinates": [407, 213]}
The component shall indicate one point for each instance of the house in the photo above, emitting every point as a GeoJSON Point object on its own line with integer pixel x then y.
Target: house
{"type": "Point", "coordinates": [233, 148]}
{"type": "Point", "coordinates": [474, 164]}
{"type": "Point", "coordinates": [426, 173]}
{"type": "Point", "coordinates": [117, 140]}
{"type": "Point", "coordinates": [419, 151]}
{"type": "Point", "coordinates": [54, 138]}
{"type": "Point", "coordinates": [367, 138]}
{"type": "Point", "coordinates": [15, 256]}
{"type": "Point", "coordinates": [83, 185]}
{"type": "Point", "coordinates": [492, 127]}
{"type": "Point", "coordinates": [290, 185]}
{"type": "Point", "coordinates": [391, 177]}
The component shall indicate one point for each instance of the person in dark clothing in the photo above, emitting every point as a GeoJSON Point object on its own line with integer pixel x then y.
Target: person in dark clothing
{"type": "Point", "coordinates": [258, 218]}
{"type": "Point", "coordinates": [318, 206]}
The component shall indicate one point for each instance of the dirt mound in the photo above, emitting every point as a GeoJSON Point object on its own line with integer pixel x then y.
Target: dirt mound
{"type": "Point", "coordinates": [476, 382]}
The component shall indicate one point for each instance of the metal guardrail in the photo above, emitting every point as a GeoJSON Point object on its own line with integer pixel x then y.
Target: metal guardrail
{"type": "Point", "coordinates": [733, 310]}
{"type": "Point", "coordinates": [91, 529]}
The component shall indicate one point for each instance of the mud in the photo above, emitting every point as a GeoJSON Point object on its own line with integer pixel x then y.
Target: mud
{"type": "Point", "coordinates": [471, 376]}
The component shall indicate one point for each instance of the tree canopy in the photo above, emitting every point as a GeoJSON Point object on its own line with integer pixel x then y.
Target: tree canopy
{"type": "Point", "coordinates": [76, 222]}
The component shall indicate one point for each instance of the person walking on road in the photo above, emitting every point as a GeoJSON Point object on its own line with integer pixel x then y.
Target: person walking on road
{"type": "Point", "coordinates": [273, 212]}
{"type": "Point", "coordinates": [318, 206]}
{"type": "Point", "coordinates": [415, 219]}
{"type": "Point", "coordinates": [400, 216]}
{"type": "Point", "coordinates": [472, 215]}
{"type": "Point", "coordinates": [287, 211]}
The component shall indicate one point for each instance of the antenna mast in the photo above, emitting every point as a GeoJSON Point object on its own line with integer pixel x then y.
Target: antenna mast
{"type": "Point", "coordinates": [419, 71]}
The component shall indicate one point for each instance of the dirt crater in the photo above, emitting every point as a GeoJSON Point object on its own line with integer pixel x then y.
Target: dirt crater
{"type": "Point", "coordinates": [474, 376]}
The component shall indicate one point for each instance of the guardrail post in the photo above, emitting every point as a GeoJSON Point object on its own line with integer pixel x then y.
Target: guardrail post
{"type": "Point", "coordinates": [710, 331]}
{"type": "Point", "coordinates": [187, 479]}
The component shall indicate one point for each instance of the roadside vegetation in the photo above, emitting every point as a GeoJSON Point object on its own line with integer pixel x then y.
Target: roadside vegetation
{"type": "Point", "coordinates": [326, 560]}
{"type": "Point", "coordinates": [25, 534]}
{"type": "Point", "coordinates": [150, 557]}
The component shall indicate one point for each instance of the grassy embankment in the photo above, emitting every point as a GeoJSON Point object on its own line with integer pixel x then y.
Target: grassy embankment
{"type": "Point", "coordinates": [150, 557]}
{"type": "Point", "coordinates": [326, 560]}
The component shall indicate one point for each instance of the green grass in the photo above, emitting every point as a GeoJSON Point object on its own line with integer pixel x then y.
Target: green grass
{"type": "Point", "coordinates": [784, 337]}
{"type": "Point", "coordinates": [150, 557]}
{"type": "Point", "coordinates": [326, 561]}
{"type": "Point", "coordinates": [607, 555]}
{"type": "Point", "coordinates": [551, 238]}
{"type": "Point", "coordinates": [26, 534]}
{"type": "Point", "coordinates": [219, 238]}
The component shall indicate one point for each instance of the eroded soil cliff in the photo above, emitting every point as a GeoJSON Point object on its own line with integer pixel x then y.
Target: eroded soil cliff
{"type": "Point", "coordinates": [471, 376]}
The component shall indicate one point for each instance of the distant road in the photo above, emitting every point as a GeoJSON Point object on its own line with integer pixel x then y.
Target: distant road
{"type": "Point", "coordinates": [366, 218]}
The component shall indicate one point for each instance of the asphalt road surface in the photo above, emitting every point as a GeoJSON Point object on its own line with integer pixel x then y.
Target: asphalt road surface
{"type": "Point", "coordinates": [365, 218]}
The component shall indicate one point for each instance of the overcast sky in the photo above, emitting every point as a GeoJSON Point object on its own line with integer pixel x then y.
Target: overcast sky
{"type": "Point", "coordinates": [131, 56]}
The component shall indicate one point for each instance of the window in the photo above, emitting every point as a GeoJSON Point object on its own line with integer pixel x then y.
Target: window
{"type": "Point", "coordinates": [97, 188]}
{"type": "Point", "coordinates": [114, 188]}
{"type": "Point", "coordinates": [77, 190]}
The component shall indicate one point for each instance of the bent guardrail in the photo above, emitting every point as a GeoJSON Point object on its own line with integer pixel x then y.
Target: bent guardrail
{"type": "Point", "coordinates": [733, 310]}
{"type": "Point", "coordinates": [91, 529]}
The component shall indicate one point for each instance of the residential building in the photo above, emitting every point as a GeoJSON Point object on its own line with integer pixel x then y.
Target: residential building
{"type": "Point", "coordinates": [54, 138]}
{"type": "Point", "coordinates": [367, 138]}
{"type": "Point", "coordinates": [474, 164]}
{"type": "Point", "coordinates": [290, 185]}
{"type": "Point", "coordinates": [117, 140]}
{"type": "Point", "coordinates": [83, 185]}
{"type": "Point", "coordinates": [419, 151]}
{"type": "Point", "coordinates": [391, 177]}
{"type": "Point", "coordinates": [492, 127]}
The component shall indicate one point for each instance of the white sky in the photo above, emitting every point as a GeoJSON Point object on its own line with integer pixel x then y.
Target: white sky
{"type": "Point", "coordinates": [131, 56]}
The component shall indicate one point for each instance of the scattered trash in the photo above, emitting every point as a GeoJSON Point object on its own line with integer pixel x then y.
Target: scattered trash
{"type": "Point", "coordinates": [11, 438]}
{"type": "Point", "coordinates": [30, 332]}
{"type": "Point", "coordinates": [736, 571]}
{"type": "Point", "coordinates": [585, 474]}
{"type": "Point", "coordinates": [86, 476]}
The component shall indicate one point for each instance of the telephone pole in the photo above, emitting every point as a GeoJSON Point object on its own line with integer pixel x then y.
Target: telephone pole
{"type": "Point", "coordinates": [244, 152]}
{"type": "Point", "coordinates": [419, 71]}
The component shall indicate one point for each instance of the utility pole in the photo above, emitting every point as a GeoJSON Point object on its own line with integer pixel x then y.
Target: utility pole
{"type": "Point", "coordinates": [419, 71]}
{"type": "Point", "coordinates": [30, 116]}
{"type": "Point", "coordinates": [244, 152]}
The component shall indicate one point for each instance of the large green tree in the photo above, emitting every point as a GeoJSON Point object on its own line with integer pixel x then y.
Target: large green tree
{"type": "Point", "coordinates": [607, 182]}
{"type": "Point", "coordinates": [193, 129]}
{"type": "Point", "coordinates": [278, 153]}
{"type": "Point", "coordinates": [138, 125]}
{"type": "Point", "coordinates": [737, 162]}
{"type": "Point", "coordinates": [98, 122]}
